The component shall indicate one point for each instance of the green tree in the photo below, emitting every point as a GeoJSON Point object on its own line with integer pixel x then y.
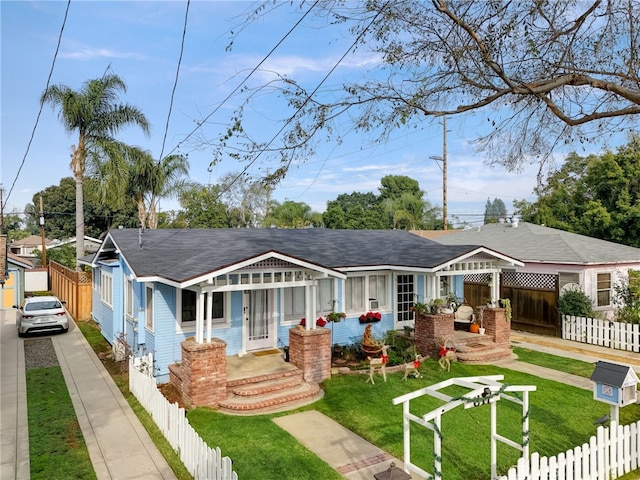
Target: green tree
{"type": "Point", "coordinates": [246, 199]}
{"type": "Point", "coordinates": [598, 196]}
{"type": "Point", "coordinates": [546, 73]}
{"type": "Point", "coordinates": [130, 174]}
{"type": "Point", "coordinates": [355, 211]}
{"type": "Point", "coordinates": [59, 206]}
{"type": "Point", "coordinates": [64, 255]}
{"type": "Point", "coordinates": [203, 208]}
{"type": "Point", "coordinates": [290, 214]}
{"type": "Point", "coordinates": [494, 210]}
{"type": "Point", "coordinates": [95, 114]}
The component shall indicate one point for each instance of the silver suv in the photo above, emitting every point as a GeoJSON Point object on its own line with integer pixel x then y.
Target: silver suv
{"type": "Point", "coordinates": [41, 314]}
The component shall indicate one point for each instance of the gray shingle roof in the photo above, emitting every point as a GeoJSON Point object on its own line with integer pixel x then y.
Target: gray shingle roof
{"type": "Point", "coordinates": [180, 255]}
{"type": "Point", "coordinates": [610, 374]}
{"type": "Point", "coordinates": [535, 243]}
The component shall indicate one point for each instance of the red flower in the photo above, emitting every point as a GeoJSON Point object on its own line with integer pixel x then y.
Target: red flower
{"type": "Point", "coordinates": [321, 322]}
{"type": "Point", "coordinates": [370, 317]}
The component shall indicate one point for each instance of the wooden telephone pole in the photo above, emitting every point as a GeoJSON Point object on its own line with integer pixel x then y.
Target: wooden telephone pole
{"type": "Point", "coordinates": [443, 159]}
{"type": "Point", "coordinates": [44, 245]}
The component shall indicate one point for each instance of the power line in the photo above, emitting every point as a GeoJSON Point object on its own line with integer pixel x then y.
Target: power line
{"type": "Point", "coordinates": [33, 132]}
{"type": "Point", "coordinates": [175, 83]}
{"type": "Point", "coordinates": [239, 86]}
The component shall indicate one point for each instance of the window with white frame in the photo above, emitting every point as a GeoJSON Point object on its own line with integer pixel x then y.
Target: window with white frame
{"type": "Point", "coordinates": [128, 298]}
{"type": "Point", "coordinates": [96, 280]}
{"type": "Point", "coordinates": [293, 303]}
{"type": "Point", "coordinates": [379, 290]}
{"type": "Point", "coordinates": [148, 313]}
{"type": "Point", "coordinates": [325, 297]}
{"type": "Point", "coordinates": [189, 300]}
{"type": "Point", "coordinates": [565, 278]}
{"type": "Point", "coordinates": [366, 292]}
{"type": "Point", "coordinates": [293, 300]}
{"type": "Point", "coordinates": [604, 289]}
{"type": "Point", "coordinates": [106, 288]}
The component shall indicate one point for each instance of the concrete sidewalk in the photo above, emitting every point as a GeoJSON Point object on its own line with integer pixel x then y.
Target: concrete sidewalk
{"type": "Point", "coordinates": [14, 429]}
{"type": "Point", "coordinates": [118, 444]}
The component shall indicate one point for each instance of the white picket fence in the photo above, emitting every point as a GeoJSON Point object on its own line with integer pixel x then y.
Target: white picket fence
{"type": "Point", "coordinates": [202, 461]}
{"type": "Point", "coordinates": [623, 336]}
{"type": "Point", "coordinates": [614, 451]}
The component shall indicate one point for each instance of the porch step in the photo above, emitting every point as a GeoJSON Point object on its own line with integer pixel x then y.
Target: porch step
{"type": "Point", "coordinates": [269, 399]}
{"type": "Point", "coordinates": [248, 387]}
{"type": "Point", "coordinates": [481, 351]}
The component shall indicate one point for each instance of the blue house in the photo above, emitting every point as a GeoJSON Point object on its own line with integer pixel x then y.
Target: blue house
{"type": "Point", "coordinates": [249, 287]}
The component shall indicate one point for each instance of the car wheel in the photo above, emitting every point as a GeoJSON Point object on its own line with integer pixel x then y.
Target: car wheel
{"type": "Point", "coordinates": [65, 330]}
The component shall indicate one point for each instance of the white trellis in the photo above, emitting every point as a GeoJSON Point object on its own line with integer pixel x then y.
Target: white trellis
{"type": "Point", "coordinates": [484, 390]}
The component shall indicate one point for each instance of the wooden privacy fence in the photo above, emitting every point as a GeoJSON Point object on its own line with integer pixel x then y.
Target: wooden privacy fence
{"type": "Point", "coordinates": [72, 287]}
{"type": "Point", "coordinates": [202, 461]}
{"type": "Point", "coordinates": [623, 336]}
{"type": "Point", "coordinates": [611, 453]}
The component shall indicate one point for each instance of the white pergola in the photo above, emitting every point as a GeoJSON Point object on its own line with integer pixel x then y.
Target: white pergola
{"type": "Point", "coordinates": [483, 390]}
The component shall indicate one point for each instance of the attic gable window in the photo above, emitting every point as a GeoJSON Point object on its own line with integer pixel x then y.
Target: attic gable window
{"type": "Point", "coordinates": [604, 289]}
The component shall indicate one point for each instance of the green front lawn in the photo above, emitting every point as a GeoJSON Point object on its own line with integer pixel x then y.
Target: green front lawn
{"type": "Point", "coordinates": [56, 446]}
{"type": "Point", "coordinates": [561, 418]}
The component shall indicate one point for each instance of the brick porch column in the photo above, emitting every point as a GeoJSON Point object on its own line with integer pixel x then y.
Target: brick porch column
{"type": "Point", "coordinates": [497, 326]}
{"type": "Point", "coordinates": [429, 332]}
{"type": "Point", "coordinates": [310, 351]}
{"type": "Point", "coordinates": [204, 372]}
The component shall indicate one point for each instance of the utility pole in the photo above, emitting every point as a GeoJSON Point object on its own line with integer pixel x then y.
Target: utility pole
{"type": "Point", "coordinates": [44, 246]}
{"type": "Point", "coordinates": [443, 158]}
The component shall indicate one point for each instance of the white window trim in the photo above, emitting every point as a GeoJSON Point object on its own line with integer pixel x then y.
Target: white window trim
{"type": "Point", "coordinates": [129, 311]}
{"type": "Point", "coordinates": [383, 308]}
{"type": "Point", "coordinates": [148, 327]}
{"type": "Point", "coordinates": [295, 319]}
{"type": "Point", "coordinates": [106, 288]}
{"type": "Point", "coordinates": [597, 290]}
{"type": "Point", "coordinates": [191, 326]}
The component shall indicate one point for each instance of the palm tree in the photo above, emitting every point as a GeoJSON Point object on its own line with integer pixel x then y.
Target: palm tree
{"type": "Point", "coordinates": [94, 112]}
{"type": "Point", "coordinates": [129, 173]}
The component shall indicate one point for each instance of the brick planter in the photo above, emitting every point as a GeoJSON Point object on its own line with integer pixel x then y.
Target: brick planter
{"type": "Point", "coordinates": [429, 332]}
{"type": "Point", "coordinates": [497, 327]}
{"type": "Point", "coordinates": [203, 372]}
{"type": "Point", "coordinates": [310, 351]}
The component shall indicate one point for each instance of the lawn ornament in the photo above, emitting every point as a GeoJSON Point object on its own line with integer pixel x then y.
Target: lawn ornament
{"type": "Point", "coordinates": [379, 363]}
{"type": "Point", "coordinates": [411, 368]}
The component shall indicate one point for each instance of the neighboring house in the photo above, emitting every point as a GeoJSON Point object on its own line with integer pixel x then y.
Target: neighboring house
{"type": "Point", "coordinates": [27, 247]}
{"type": "Point", "coordinates": [249, 287]}
{"type": "Point", "coordinates": [572, 261]}
{"type": "Point", "coordinates": [91, 245]}
{"type": "Point", "coordinates": [13, 283]}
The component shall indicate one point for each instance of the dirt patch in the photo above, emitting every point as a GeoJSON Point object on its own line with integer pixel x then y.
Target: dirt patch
{"type": "Point", "coordinates": [172, 394]}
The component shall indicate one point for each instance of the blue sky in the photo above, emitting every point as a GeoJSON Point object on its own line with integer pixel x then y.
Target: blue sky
{"type": "Point", "coordinates": [140, 41]}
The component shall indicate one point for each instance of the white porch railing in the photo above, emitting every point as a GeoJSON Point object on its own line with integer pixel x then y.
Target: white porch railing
{"type": "Point", "coordinates": [623, 336]}
{"type": "Point", "coordinates": [611, 453]}
{"type": "Point", "coordinates": [198, 458]}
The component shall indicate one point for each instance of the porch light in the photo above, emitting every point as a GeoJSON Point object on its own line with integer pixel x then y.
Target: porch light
{"type": "Point", "coordinates": [392, 473]}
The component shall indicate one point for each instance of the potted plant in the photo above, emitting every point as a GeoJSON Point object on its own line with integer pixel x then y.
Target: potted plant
{"type": "Point", "coordinates": [420, 308]}
{"type": "Point", "coordinates": [370, 317]}
{"type": "Point", "coordinates": [506, 304]}
{"type": "Point", "coordinates": [335, 317]}
{"type": "Point", "coordinates": [436, 305]}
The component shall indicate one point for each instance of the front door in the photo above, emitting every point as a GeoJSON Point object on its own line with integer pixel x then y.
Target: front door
{"type": "Point", "coordinates": [258, 320]}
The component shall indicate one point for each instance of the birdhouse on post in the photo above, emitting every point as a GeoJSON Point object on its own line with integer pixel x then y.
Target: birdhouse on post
{"type": "Point", "coordinates": [614, 384]}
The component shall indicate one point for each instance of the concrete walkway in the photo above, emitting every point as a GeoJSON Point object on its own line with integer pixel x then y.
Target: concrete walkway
{"type": "Point", "coordinates": [118, 444]}
{"type": "Point", "coordinates": [14, 429]}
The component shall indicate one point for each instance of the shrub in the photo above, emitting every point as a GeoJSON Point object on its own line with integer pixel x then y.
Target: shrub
{"type": "Point", "coordinates": [576, 303]}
